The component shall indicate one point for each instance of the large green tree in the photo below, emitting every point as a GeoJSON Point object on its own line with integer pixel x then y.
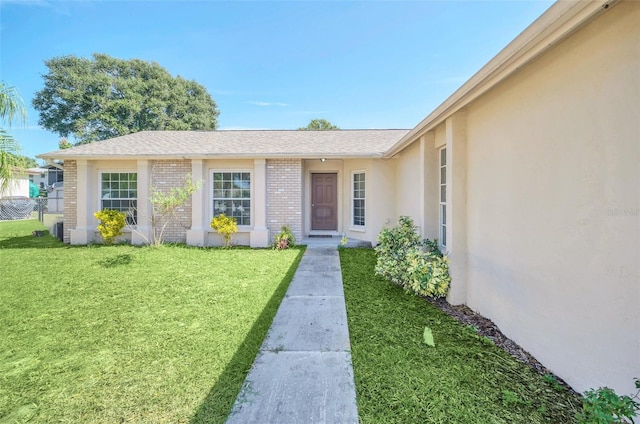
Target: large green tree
{"type": "Point", "coordinates": [318, 125]}
{"type": "Point", "coordinates": [11, 108]}
{"type": "Point", "coordinates": [104, 97]}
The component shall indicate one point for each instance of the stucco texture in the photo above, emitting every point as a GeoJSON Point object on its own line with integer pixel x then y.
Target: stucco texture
{"type": "Point", "coordinates": [553, 226]}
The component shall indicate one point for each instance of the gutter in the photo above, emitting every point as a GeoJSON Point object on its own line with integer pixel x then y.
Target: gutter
{"type": "Point", "coordinates": [561, 20]}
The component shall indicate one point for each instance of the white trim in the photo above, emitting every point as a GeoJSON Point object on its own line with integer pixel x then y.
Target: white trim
{"type": "Point", "coordinates": [442, 215]}
{"type": "Point", "coordinates": [119, 171]}
{"type": "Point", "coordinates": [352, 225]}
{"type": "Point", "coordinates": [241, 228]}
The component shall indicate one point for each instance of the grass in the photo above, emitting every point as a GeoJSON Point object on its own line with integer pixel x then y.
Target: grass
{"type": "Point", "coordinates": [129, 334]}
{"type": "Point", "coordinates": [463, 379]}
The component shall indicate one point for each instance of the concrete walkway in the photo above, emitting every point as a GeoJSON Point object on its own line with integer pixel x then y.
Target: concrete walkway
{"type": "Point", "coordinates": [303, 372]}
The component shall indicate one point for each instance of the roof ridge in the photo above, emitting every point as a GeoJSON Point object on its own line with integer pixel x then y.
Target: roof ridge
{"type": "Point", "coordinates": [266, 130]}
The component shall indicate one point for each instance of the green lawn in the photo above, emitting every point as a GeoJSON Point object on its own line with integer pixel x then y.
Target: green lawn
{"type": "Point", "coordinates": [127, 334]}
{"type": "Point", "coordinates": [463, 379]}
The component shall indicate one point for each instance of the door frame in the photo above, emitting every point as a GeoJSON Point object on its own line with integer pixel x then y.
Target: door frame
{"type": "Point", "coordinates": [330, 166]}
{"type": "Point", "coordinates": [337, 199]}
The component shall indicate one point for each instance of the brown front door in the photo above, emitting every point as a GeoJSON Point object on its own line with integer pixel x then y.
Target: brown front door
{"type": "Point", "coordinates": [324, 201]}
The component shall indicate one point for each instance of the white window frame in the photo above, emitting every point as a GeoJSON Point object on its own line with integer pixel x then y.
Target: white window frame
{"type": "Point", "coordinates": [137, 199]}
{"type": "Point", "coordinates": [355, 226]}
{"type": "Point", "coordinates": [442, 200]}
{"type": "Point", "coordinates": [251, 194]}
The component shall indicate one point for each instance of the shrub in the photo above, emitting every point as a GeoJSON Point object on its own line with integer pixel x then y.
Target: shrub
{"type": "Point", "coordinates": [165, 205]}
{"type": "Point", "coordinates": [416, 265]}
{"type": "Point", "coordinates": [285, 238]}
{"type": "Point", "coordinates": [225, 226]}
{"type": "Point", "coordinates": [431, 248]}
{"type": "Point", "coordinates": [605, 406]}
{"type": "Point", "coordinates": [111, 224]}
{"type": "Point", "coordinates": [428, 275]}
{"type": "Point", "coordinates": [393, 247]}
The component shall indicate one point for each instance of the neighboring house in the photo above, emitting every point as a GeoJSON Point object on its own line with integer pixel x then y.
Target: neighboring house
{"type": "Point", "coordinates": [15, 202]}
{"type": "Point", "coordinates": [55, 198]}
{"type": "Point", "coordinates": [39, 176]}
{"type": "Point", "coordinates": [529, 175]}
{"type": "Point", "coordinates": [19, 187]}
{"type": "Point", "coordinates": [51, 179]}
{"type": "Point", "coordinates": [46, 176]}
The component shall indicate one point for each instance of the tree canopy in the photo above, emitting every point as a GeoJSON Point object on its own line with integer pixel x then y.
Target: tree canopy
{"type": "Point", "coordinates": [21, 161]}
{"type": "Point", "coordinates": [319, 124]}
{"type": "Point", "coordinates": [105, 97]}
{"type": "Point", "coordinates": [63, 143]}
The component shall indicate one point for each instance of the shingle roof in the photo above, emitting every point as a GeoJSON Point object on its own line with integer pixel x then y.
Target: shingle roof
{"type": "Point", "coordinates": [230, 144]}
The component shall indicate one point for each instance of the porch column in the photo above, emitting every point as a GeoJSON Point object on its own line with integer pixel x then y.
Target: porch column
{"type": "Point", "coordinates": [85, 228]}
{"type": "Point", "coordinates": [456, 192]}
{"type": "Point", "coordinates": [259, 236]}
{"type": "Point", "coordinates": [142, 233]}
{"type": "Point", "coordinates": [197, 235]}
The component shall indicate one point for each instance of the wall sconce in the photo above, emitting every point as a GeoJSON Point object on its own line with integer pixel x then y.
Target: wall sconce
{"type": "Point", "coordinates": [322, 160]}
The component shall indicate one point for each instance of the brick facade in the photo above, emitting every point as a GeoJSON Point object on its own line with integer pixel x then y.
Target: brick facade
{"type": "Point", "coordinates": [165, 175]}
{"type": "Point", "coordinates": [284, 195]}
{"type": "Point", "coordinates": [70, 198]}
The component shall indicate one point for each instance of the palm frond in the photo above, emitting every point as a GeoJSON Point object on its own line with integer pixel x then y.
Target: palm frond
{"type": "Point", "coordinates": [11, 105]}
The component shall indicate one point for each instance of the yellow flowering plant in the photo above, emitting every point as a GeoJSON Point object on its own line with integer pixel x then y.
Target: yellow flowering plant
{"type": "Point", "coordinates": [225, 226]}
{"type": "Point", "coordinates": [111, 224]}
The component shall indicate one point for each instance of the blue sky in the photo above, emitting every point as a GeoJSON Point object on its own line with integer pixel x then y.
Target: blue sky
{"type": "Point", "coordinates": [272, 65]}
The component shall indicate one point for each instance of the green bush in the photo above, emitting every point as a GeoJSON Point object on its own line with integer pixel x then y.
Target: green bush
{"type": "Point", "coordinates": [605, 406]}
{"type": "Point", "coordinates": [285, 238]}
{"type": "Point", "coordinates": [225, 226]}
{"type": "Point", "coordinates": [393, 248]}
{"type": "Point", "coordinates": [428, 275]}
{"type": "Point", "coordinates": [111, 224]}
{"type": "Point", "coordinates": [416, 265]}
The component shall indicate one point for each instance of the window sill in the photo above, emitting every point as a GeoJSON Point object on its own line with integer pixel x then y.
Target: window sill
{"type": "Point", "coordinates": [241, 229]}
{"type": "Point", "coordinates": [358, 229]}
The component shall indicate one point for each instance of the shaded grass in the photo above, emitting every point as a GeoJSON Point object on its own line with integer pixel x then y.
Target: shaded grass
{"type": "Point", "coordinates": [219, 401]}
{"type": "Point", "coordinates": [464, 379]}
{"type": "Point", "coordinates": [128, 334]}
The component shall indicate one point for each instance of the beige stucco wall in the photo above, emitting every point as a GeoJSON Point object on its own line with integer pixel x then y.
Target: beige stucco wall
{"type": "Point", "coordinates": [379, 189]}
{"type": "Point", "coordinates": [409, 185]}
{"type": "Point", "coordinates": [431, 215]}
{"type": "Point", "coordinates": [379, 194]}
{"type": "Point", "coordinates": [311, 166]}
{"type": "Point", "coordinates": [553, 205]}
{"type": "Point", "coordinates": [242, 236]}
{"type": "Point", "coordinates": [92, 200]}
{"type": "Point", "coordinates": [357, 232]}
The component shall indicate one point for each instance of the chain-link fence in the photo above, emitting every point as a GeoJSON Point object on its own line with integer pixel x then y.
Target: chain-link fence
{"type": "Point", "coordinates": [47, 210]}
{"type": "Point", "coordinates": [16, 207]}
